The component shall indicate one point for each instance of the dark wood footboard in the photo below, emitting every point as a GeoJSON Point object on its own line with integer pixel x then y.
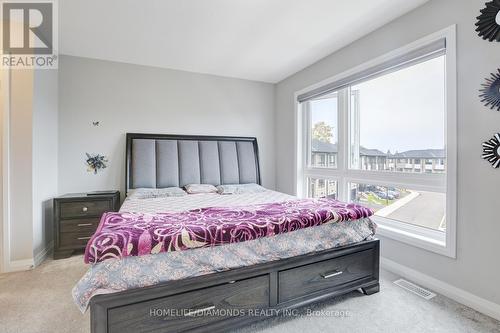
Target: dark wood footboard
{"type": "Point", "coordinates": [226, 300]}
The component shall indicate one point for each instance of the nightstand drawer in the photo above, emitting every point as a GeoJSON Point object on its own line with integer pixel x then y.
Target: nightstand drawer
{"type": "Point", "coordinates": [85, 208]}
{"type": "Point", "coordinates": [79, 225]}
{"type": "Point", "coordinates": [74, 240]}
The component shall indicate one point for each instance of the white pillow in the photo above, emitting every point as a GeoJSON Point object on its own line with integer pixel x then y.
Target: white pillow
{"type": "Point", "coordinates": [147, 193]}
{"type": "Point", "coordinates": [200, 188]}
{"type": "Point", "coordinates": [240, 188]}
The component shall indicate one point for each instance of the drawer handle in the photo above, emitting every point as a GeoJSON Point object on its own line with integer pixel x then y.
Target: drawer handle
{"type": "Point", "coordinates": [83, 224]}
{"type": "Point", "coordinates": [84, 209]}
{"type": "Point", "coordinates": [83, 238]}
{"type": "Point", "coordinates": [331, 274]}
{"type": "Point", "coordinates": [199, 311]}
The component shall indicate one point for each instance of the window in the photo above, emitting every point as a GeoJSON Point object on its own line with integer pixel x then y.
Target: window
{"type": "Point", "coordinates": [392, 125]}
{"type": "Point", "coordinates": [383, 135]}
{"type": "Point", "coordinates": [323, 133]}
{"type": "Point", "coordinates": [322, 188]}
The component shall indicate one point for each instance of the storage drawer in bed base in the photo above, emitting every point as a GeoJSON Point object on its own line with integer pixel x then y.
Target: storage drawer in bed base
{"type": "Point", "coordinates": [279, 285]}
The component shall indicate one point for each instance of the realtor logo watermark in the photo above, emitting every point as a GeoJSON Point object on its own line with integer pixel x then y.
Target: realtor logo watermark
{"type": "Point", "coordinates": [212, 311]}
{"type": "Point", "coordinates": [29, 34]}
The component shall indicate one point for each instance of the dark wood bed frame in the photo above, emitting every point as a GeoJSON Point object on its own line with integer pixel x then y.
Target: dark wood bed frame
{"type": "Point", "coordinates": [226, 300]}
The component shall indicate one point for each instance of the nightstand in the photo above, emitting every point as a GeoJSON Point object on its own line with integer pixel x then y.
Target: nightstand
{"type": "Point", "coordinates": [76, 217]}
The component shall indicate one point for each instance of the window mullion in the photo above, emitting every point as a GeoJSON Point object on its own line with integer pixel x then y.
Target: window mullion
{"type": "Point", "coordinates": [343, 111]}
{"type": "Point", "coordinates": [306, 141]}
{"type": "Point", "coordinates": [308, 134]}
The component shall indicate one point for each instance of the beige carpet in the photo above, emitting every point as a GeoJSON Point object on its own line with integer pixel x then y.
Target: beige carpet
{"type": "Point", "coordinates": [39, 301]}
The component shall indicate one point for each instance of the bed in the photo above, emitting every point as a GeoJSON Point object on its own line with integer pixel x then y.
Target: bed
{"type": "Point", "coordinates": [219, 288]}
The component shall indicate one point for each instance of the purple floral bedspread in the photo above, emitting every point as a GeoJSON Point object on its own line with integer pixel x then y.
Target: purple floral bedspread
{"type": "Point", "coordinates": [134, 234]}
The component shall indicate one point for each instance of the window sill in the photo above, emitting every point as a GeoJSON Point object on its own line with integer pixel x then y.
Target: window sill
{"type": "Point", "coordinates": [424, 238]}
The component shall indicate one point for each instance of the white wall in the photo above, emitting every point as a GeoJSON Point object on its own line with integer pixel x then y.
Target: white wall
{"type": "Point", "coordinates": [20, 164]}
{"type": "Point", "coordinates": [131, 98]}
{"type": "Point", "coordinates": [45, 148]}
{"type": "Point", "coordinates": [476, 268]}
{"type": "Point", "coordinates": [32, 163]}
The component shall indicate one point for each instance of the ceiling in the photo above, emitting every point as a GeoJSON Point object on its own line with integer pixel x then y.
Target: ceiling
{"type": "Point", "coordinates": [263, 40]}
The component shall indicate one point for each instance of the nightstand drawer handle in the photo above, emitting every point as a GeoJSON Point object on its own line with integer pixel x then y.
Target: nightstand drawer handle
{"type": "Point", "coordinates": [83, 224]}
{"type": "Point", "coordinates": [85, 209]}
{"type": "Point", "coordinates": [83, 238]}
{"type": "Point", "coordinates": [331, 274]}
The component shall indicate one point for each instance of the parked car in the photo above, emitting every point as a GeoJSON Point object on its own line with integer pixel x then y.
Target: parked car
{"type": "Point", "coordinates": [384, 195]}
{"type": "Point", "coordinates": [393, 193]}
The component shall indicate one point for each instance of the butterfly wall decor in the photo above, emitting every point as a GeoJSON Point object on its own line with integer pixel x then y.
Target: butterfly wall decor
{"type": "Point", "coordinates": [96, 162]}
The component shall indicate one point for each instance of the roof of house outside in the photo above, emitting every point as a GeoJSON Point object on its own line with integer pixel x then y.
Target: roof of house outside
{"type": "Point", "coordinates": [370, 152]}
{"type": "Point", "coordinates": [424, 153]}
{"type": "Point", "coordinates": [319, 146]}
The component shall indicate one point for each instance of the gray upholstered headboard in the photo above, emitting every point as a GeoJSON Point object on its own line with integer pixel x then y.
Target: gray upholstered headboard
{"type": "Point", "coordinates": [164, 160]}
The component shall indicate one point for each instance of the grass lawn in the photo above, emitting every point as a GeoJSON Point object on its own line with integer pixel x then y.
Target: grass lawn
{"type": "Point", "coordinates": [372, 198]}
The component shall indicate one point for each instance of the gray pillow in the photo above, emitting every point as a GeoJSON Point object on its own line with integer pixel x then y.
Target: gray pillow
{"type": "Point", "coordinates": [148, 193]}
{"type": "Point", "coordinates": [200, 188]}
{"type": "Point", "coordinates": [240, 188]}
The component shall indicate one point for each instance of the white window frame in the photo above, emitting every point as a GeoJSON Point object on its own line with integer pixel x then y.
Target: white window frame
{"type": "Point", "coordinates": [432, 240]}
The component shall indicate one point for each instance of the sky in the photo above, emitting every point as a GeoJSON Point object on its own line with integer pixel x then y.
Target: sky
{"type": "Point", "coordinates": [399, 111]}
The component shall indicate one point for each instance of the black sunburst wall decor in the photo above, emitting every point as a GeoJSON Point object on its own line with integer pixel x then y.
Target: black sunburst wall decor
{"type": "Point", "coordinates": [490, 91]}
{"type": "Point", "coordinates": [488, 23]}
{"type": "Point", "coordinates": [491, 150]}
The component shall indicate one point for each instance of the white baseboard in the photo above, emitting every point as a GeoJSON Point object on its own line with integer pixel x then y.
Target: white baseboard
{"type": "Point", "coordinates": [459, 295]}
{"type": "Point", "coordinates": [20, 265]}
{"type": "Point", "coordinates": [27, 264]}
{"type": "Point", "coordinates": [40, 256]}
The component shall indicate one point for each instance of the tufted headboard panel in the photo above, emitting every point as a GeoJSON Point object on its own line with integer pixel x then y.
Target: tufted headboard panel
{"type": "Point", "coordinates": [164, 160]}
